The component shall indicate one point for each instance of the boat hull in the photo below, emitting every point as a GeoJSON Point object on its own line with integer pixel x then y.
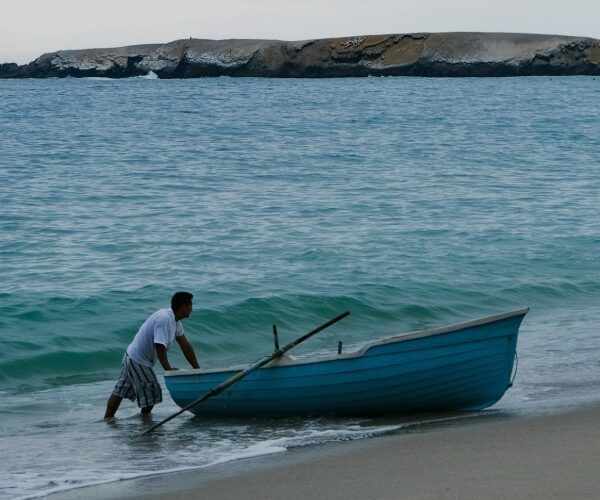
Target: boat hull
{"type": "Point", "coordinates": [465, 367]}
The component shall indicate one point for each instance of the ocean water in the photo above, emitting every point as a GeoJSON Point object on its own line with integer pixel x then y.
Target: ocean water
{"type": "Point", "coordinates": [411, 202]}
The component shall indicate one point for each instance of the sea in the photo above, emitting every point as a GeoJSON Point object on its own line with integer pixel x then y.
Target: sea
{"type": "Point", "coordinates": [411, 202]}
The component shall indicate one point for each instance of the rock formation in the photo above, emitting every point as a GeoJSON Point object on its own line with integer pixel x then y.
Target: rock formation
{"type": "Point", "coordinates": [417, 54]}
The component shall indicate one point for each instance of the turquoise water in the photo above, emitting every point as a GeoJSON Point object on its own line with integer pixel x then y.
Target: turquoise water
{"type": "Point", "coordinates": [411, 202]}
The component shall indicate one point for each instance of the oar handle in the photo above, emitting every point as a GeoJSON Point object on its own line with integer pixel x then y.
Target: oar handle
{"type": "Point", "coordinates": [255, 366]}
{"type": "Point", "coordinates": [313, 332]}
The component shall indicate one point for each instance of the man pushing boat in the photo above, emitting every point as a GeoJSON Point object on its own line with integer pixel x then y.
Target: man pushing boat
{"type": "Point", "coordinates": [137, 380]}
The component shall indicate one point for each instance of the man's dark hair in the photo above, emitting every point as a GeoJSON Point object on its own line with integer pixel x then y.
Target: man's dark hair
{"type": "Point", "coordinates": [181, 299]}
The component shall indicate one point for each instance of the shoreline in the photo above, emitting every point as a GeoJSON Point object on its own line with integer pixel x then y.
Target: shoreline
{"type": "Point", "coordinates": [551, 455]}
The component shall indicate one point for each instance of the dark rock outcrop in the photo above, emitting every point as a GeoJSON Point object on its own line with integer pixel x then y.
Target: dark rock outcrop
{"type": "Point", "coordinates": [417, 54]}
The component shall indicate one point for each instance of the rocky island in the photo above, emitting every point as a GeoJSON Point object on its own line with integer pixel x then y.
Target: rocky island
{"type": "Point", "coordinates": [415, 54]}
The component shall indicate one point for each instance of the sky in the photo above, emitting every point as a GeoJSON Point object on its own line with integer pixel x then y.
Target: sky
{"type": "Point", "coordinates": [32, 27]}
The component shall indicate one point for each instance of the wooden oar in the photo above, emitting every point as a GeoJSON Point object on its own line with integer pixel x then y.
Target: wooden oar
{"type": "Point", "coordinates": [238, 376]}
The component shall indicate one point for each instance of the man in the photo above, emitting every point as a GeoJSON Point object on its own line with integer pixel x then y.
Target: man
{"type": "Point", "coordinates": [137, 380]}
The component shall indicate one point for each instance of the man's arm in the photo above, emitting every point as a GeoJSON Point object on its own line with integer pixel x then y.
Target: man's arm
{"type": "Point", "coordinates": [161, 354]}
{"type": "Point", "coordinates": [187, 350]}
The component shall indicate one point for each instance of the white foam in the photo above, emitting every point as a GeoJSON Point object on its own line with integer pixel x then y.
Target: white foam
{"type": "Point", "coordinates": [151, 75]}
{"type": "Point", "coordinates": [251, 452]}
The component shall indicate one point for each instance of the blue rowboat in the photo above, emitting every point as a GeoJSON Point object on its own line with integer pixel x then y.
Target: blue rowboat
{"type": "Point", "coordinates": [466, 366]}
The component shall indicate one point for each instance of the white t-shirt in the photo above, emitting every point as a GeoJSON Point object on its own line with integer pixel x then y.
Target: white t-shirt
{"type": "Point", "coordinates": [160, 328]}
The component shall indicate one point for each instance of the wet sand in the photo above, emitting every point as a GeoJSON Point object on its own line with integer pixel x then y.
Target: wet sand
{"type": "Point", "coordinates": [543, 456]}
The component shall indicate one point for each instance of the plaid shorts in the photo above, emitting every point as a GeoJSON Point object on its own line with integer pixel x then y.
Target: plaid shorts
{"type": "Point", "coordinates": [138, 382]}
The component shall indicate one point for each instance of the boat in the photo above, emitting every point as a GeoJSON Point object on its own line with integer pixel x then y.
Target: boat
{"type": "Point", "coordinates": [467, 366]}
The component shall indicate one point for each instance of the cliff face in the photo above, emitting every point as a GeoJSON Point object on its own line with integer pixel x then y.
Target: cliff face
{"type": "Point", "coordinates": [418, 54]}
{"type": "Point", "coordinates": [116, 63]}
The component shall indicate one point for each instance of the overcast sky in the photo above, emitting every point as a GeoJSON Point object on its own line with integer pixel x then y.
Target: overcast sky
{"type": "Point", "coordinates": [31, 27]}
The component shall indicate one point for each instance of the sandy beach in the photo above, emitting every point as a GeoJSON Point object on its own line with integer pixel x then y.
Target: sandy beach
{"type": "Point", "coordinates": [501, 456]}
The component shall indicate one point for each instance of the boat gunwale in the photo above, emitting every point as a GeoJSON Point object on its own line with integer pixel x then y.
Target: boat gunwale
{"type": "Point", "coordinates": [451, 366]}
{"type": "Point", "coordinates": [375, 369]}
{"type": "Point", "coordinates": [418, 334]}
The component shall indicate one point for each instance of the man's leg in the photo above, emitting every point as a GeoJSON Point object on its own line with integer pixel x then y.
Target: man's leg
{"type": "Point", "coordinates": [123, 389]}
{"type": "Point", "coordinates": [112, 405]}
{"type": "Point", "coordinates": [147, 409]}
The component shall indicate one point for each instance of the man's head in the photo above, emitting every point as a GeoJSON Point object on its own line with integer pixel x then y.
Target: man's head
{"type": "Point", "coordinates": [181, 303]}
